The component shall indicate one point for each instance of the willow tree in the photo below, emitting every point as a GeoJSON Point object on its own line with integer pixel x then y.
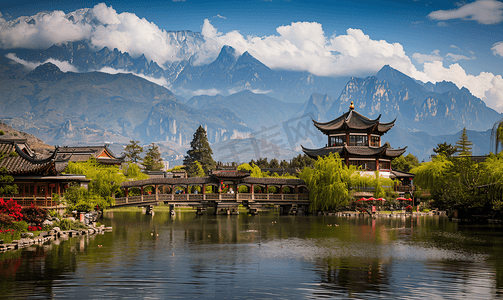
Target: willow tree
{"type": "Point", "coordinates": [327, 182]}
{"type": "Point", "coordinates": [497, 136]}
{"type": "Point", "coordinates": [105, 182]}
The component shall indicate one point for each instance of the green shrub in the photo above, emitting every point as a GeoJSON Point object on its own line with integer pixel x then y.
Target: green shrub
{"type": "Point", "coordinates": [20, 226]}
{"type": "Point", "coordinates": [66, 224]}
{"type": "Point", "coordinates": [1, 132]}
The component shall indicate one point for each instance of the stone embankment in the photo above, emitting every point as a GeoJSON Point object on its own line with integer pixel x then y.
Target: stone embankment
{"type": "Point", "coordinates": [51, 235]}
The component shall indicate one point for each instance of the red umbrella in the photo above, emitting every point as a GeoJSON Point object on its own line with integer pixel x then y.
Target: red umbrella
{"type": "Point", "coordinates": [381, 199]}
{"type": "Point", "coordinates": [401, 199]}
{"type": "Point", "coordinates": [362, 199]}
{"type": "Point", "coordinates": [408, 199]}
{"type": "Point", "coordinates": [371, 199]}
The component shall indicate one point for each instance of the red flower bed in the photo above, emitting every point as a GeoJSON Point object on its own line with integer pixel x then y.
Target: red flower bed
{"type": "Point", "coordinates": [11, 208]}
{"type": "Point", "coordinates": [34, 228]}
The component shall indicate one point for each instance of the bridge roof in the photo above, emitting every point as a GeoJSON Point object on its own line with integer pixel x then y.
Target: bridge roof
{"type": "Point", "coordinates": [211, 180]}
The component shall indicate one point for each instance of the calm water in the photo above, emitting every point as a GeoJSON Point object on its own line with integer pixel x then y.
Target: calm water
{"type": "Point", "coordinates": [263, 257]}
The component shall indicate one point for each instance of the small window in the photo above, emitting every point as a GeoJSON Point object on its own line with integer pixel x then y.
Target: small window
{"type": "Point", "coordinates": [337, 140]}
{"type": "Point", "coordinates": [375, 141]}
{"type": "Point", "coordinates": [358, 140]}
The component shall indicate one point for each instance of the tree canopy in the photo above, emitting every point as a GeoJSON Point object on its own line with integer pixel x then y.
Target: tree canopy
{"type": "Point", "coordinates": [445, 149]}
{"type": "Point", "coordinates": [153, 160]}
{"type": "Point", "coordinates": [405, 163]}
{"type": "Point", "coordinates": [463, 185]}
{"type": "Point", "coordinates": [200, 151]}
{"type": "Point", "coordinates": [105, 181]}
{"type": "Point", "coordinates": [463, 145]}
{"type": "Point", "coordinates": [133, 151]}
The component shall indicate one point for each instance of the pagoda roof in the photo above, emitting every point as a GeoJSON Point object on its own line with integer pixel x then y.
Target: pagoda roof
{"type": "Point", "coordinates": [19, 159]}
{"type": "Point", "coordinates": [353, 120]}
{"type": "Point", "coordinates": [355, 150]}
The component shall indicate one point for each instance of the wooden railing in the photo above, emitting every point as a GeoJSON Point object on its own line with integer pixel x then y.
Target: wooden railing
{"type": "Point", "coordinates": [39, 201]}
{"type": "Point", "coordinates": [197, 198]}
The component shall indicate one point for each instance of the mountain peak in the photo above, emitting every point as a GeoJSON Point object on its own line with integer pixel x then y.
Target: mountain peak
{"type": "Point", "coordinates": [394, 77]}
{"type": "Point", "coordinates": [227, 52]}
{"type": "Point", "coordinates": [47, 71]}
{"type": "Point", "coordinates": [226, 59]}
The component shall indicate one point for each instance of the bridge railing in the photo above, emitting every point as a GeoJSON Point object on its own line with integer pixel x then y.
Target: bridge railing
{"type": "Point", "coordinates": [187, 198]}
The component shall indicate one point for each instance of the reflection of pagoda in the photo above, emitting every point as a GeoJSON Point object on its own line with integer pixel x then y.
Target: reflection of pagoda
{"type": "Point", "coordinates": [357, 140]}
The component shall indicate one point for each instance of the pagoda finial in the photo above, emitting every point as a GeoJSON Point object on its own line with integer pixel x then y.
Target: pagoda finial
{"type": "Point", "coordinates": [352, 106]}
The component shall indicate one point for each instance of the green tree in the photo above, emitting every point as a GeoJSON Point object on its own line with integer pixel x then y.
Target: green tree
{"type": "Point", "coordinates": [105, 182]}
{"type": "Point", "coordinates": [274, 163]}
{"type": "Point", "coordinates": [445, 149]}
{"type": "Point", "coordinates": [405, 163]}
{"type": "Point", "coordinates": [200, 151]}
{"type": "Point", "coordinates": [133, 151]}
{"type": "Point", "coordinates": [327, 186]}
{"type": "Point", "coordinates": [497, 135]}
{"type": "Point", "coordinates": [464, 146]}
{"type": "Point", "coordinates": [153, 160]}
{"type": "Point", "coordinates": [6, 188]}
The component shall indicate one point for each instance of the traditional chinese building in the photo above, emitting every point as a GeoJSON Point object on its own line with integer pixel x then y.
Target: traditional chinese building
{"type": "Point", "coordinates": [38, 179]}
{"type": "Point", "coordinates": [103, 154]}
{"type": "Point", "coordinates": [357, 140]}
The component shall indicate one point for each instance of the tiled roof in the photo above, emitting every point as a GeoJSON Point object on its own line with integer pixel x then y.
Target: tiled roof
{"type": "Point", "coordinates": [83, 153]}
{"type": "Point", "coordinates": [19, 159]}
{"type": "Point", "coordinates": [208, 180]}
{"type": "Point", "coordinates": [353, 120]}
{"type": "Point", "coordinates": [355, 150]}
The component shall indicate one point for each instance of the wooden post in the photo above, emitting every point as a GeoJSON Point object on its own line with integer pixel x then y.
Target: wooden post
{"type": "Point", "coordinates": [156, 193]}
{"type": "Point", "coordinates": [204, 189]}
{"type": "Point", "coordinates": [141, 194]}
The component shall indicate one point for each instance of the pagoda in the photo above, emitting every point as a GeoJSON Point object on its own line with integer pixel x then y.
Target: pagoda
{"type": "Point", "coordinates": [357, 140]}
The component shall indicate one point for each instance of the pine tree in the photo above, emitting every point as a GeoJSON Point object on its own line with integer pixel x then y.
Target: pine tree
{"type": "Point", "coordinates": [200, 151]}
{"type": "Point", "coordinates": [153, 159]}
{"type": "Point", "coordinates": [445, 149]}
{"type": "Point", "coordinates": [133, 151]}
{"type": "Point", "coordinates": [463, 145]}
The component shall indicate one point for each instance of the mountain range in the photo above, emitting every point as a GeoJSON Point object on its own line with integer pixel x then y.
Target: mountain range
{"type": "Point", "coordinates": [247, 103]}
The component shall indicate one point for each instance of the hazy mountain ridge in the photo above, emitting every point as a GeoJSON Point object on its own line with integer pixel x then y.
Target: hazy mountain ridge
{"type": "Point", "coordinates": [227, 74]}
{"type": "Point", "coordinates": [71, 107]}
{"type": "Point", "coordinates": [441, 108]}
{"type": "Point", "coordinates": [65, 108]}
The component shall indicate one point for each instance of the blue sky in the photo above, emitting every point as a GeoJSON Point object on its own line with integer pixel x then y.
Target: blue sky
{"type": "Point", "coordinates": [439, 40]}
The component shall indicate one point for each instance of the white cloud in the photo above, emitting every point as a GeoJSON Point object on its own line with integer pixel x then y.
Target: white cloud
{"type": "Point", "coordinates": [483, 11]}
{"type": "Point", "coordinates": [101, 25]}
{"type": "Point", "coordinates": [208, 92]}
{"type": "Point", "coordinates": [238, 135]}
{"type": "Point", "coordinates": [159, 81]}
{"type": "Point", "coordinates": [456, 57]}
{"type": "Point", "coordinates": [62, 65]}
{"type": "Point", "coordinates": [498, 49]}
{"type": "Point", "coordinates": [422, 58]}
{"type": "Point", "coordinates": [442, 24]}
{"type": "Point", "coordinates": [219, 16]}
{"type": "Point", "coordinates": [487, 86]}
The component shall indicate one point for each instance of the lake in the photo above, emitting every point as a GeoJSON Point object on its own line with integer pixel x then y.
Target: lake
{"type": "Point", "coordinates": [267, 256]}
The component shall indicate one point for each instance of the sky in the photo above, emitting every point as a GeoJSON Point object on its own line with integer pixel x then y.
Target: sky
{"type": "Point", "coordinates": [458, 41]}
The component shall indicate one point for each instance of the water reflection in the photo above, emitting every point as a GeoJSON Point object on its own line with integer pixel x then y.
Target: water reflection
{"type": "Point", "coordinates": [264, 256]}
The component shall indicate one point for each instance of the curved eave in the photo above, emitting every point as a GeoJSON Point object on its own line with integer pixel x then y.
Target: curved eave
{"type": "Point", "coordinates": [392, 153]}
{"type": "Point", "coordinates": [385, 127]}
{"type": "Point", "coordinates": [33, 160]}
{"type": "Point", "coordinates": [314, 153]}
{"type": "Point", "coordinates": [365, 150]}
